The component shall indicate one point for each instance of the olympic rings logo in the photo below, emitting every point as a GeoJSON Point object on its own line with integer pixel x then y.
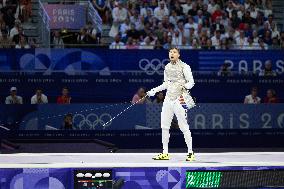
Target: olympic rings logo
{"type": "Point", "coordinates": [92, 120]}
{"type": "Point", "coordinates": [153, 66]}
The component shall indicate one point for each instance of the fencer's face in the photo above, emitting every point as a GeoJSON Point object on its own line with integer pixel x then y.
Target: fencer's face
{"type": "Point", "coordinates": [174, 55]}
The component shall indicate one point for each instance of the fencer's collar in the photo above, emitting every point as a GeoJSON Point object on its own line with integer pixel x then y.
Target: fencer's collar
{"type": "Point", "coordinates": [176, 62]}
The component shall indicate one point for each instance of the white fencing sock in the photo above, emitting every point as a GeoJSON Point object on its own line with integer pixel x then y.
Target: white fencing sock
{"type": "Point", "coordinates": [188, 140]}
{"type": "Point", "coordinates": [165, 140]}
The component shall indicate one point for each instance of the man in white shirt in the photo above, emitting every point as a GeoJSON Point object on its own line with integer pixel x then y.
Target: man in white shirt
{"type": "Point", "coordinates": [241, 41]}
{"type": "Point", "coordinates": [15, 30]}
{"type": "Point", "coordinates": [216, 39]}
{"type": "Point", "coordinates": [13, 98]}
{"type": "Point", "coordinates": [186, 7]}
{"type": "Point", "coordinates": [147, 43]}
{"type": "Point", "coordinates": [252, 98]}
{"type": "Point", "coordinates": [190, 24]}
{"type": "Point", "coordinates": [39, 98]}
{"type": "Point", "coordinates": [161, 11]}
{"type": "Point", "coordinates": [119, 15]}
{"type": "Point", "coordinates": [117, 44]}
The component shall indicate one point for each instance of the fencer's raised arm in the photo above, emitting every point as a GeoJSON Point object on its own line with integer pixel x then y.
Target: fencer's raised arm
{"type": "Point", "coordinates": [188, 76]}
{"type": "Point", "coordinates": [162, 87]}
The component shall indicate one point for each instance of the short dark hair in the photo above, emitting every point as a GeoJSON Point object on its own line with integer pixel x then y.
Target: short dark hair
{"type": "Point", "coordinates": [254, 89]}
{"type": "Point", "coordinates": [176, 48]}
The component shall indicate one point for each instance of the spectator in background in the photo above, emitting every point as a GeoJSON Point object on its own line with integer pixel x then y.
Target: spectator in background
{"type": "Point", "coordinates": [252, 98]}
{"type": "Point", "coordinates": [267, 71]}
{"type": "Point", "coordinates": [124, 27]}
{"type": "Point", "coordinates": [22, 43]}
{"type": "Point", "coordinates": [216, 39]}
{"type": "Point", "coordinates": [119, 15]}
{"type": "Point", "coordinates": [225, 70]}
{"type": "Point", "coordinates": [8, 16]}
{"type": "Point", "coordinates": [241, 41]}
{"type": "Point", "coordinates": [117, 44]}
{"type": "Point", "coordinates": [103, 10]}
{"type": "Point", "coordinates": [13, 98]}
{"type": "Point", "coordinates": [133, 33]}
{"type": "Point", "coordinates": [93, 35]}
{"type": "Point", "coordinates": [25, 10]}
{"type": "Point", "coordinates": [57, 41]}
{"type": "Point", "coordinates": [271, 97]}
{"type": "Point", "coordinates": [5, 41]}
{"type": "Point", "coordinates": [161, 11]}
{"type": "Point", "coordinates": [275, 44]}
{"type": "Point", "coordinates": [262, 45]}
{"type": "Point", "coordinates": [139, 96]}
{"type": "Point", "coordinates": [15, 30]}
{"type": "Point", "coordinates": [64, 98]}
{"type": "Point", "coordinates": [160, 97]}
{"type": "Point", "coordinates": [147, 43]}
{"type": "Point", "coordinates": [208, 45]}
{"type": "Point", "coordinates": [187, 6]}
{"type": "Point", "coordinates": [67, 122]}
{"type": "Point", "coordinates": [251, 45]}
{"type": "Point", "coordinates": [16, 37]}
{"type": "Point", "coordinates": [83, 37]}
{"type": "Point", "coordinates": [132, 43]}
{"type": "Point", "coordinates": [39, 98]}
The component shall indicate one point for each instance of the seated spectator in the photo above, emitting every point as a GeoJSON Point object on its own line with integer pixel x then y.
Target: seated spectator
{"type": "Point", "coordinates": [208, 45]}
{"type": "Point", "coordinates": [67, 122]}
{"type": "Point", "coordinates": [161, 10]}
{"type": "Point", "coordinates": [124, 27]}
{"type": "Point", "coordinates": [103, 9]}
{"type": "Point", "coordinates": [16, 37]}
{"type": "Point", "coordinates": [262, 45]}
{"type": "Point", "coordinates": [225, 70]}
{"type": "Point", "coordinates": [119, 15]}
{"type": "Point", "coordinates": [5, 41]}
{"type": "Point", "coordinates": [216, 39]}
{"type": "Point", "coordinates": [268, 71]}
{"type": "Point", "coordinates": [139, 97]}
{"type": "Point", "coordinates": [275, 44]}
{"type": "Point", "coordinates": [147, 43]}
{"type": "Point", "coordinates": [160, 97]}
{"type": "Point", "coordinates": [64, 98]}
{"type": "Point", "coordinates": [131, 44]}
{"type": "Point", "coordinates": [39, 98]}
{"type": "Point", "coordinates": [83, 37]}
{"type": "Point", "coordinates": [25, 10]}
{"type": "Point", "coordinates": [13, 98]}
{"type": "Point", "coordinates": [186, 7]}
{"type": "Point", "coordinates": [117, 44]}
{"type": "Point", "coordinates": [57, 41]}
{"type": "Point", "coordinates": [22, 43]}
{"type": "Point", "coordinates": [252, 98]}
{"type": "Point", "coordinates": [133, 33]}
{"type": "Point", "coordinates": [241, 41]}
{"type": "Point", "coordinates": [251, 45]}
{"type": "Point", "coordinates": [271, 97]}
{"type": "Point", "coordinates": [15, 30]}
{"type": "Point", "coordinates": [92, 33]}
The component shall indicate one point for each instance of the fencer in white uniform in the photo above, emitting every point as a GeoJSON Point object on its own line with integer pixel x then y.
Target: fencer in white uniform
{"type": "Point", "coordinates": [178, 80]}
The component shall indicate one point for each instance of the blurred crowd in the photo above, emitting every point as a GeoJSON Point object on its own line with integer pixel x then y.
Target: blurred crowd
{"type": "Point", "coordinates": [191, 24]}
{"type": "Point", "coordinates": [12, 14]}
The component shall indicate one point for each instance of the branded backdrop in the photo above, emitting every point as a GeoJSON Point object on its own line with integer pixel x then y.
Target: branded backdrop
{"type": "Point", "coordinates": [96, 116]}
{"type": "Point", "coordinates": [66, 16]}
{"type": "Point", "coordinates": [151, 62]}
